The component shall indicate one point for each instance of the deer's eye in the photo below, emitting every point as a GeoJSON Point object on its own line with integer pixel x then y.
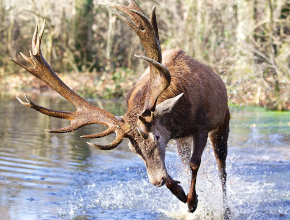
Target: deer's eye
{"type": "Point", "coordinates": [157, 137]}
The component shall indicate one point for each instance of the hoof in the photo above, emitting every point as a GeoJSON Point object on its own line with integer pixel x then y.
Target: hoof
{"type": "Point", "coordinates": [192, 205]}
{"type": "Point", "coordinates": [181, 196]}
{"type": "Point", "coordinates": [177, 190]}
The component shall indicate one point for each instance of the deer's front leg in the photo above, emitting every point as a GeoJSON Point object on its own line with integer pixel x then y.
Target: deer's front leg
{"type": "Point", "coordinates": [200, 139]}
{"type": "Point", "coordinates": [176, 189]}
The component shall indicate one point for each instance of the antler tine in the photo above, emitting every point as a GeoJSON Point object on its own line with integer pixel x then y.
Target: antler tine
{"type": "Point", "coordinates": [154, 22]}
{"type": "Point", "coordinates": [57, 114]}
{"type": "Point", "coordinates": [75, 124]}
{"type": "Point", "coordinates": [119, 138]}
{"type": "Point", "coordinates": [70, 128]}
{"type": "Point", "coordinates": [129, 23]}
{"type": "Point", "coordinates": [36, 42]}
{"type": "Point", "coordinates": [144, 18]}
{"type": "Point", "coordinates": [34, 38]}
{"type": "Point", "coordinates": [163, 70]}
{"type": "Point", "coordinates": [103, 134]}
{"type": "Point", "coordinates": [159, 81]}
{"type": "Point", "coordinates": [19, 64]}
{"type": "Point", "coordinates": [145, 30]}
{"type": "Point", "coordinates": [85, 113]}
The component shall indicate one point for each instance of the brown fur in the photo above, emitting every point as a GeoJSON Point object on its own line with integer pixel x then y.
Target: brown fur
{"type": "Point", "coordinates": [204, 102]}
{"type": "Point", "coordinates": [202, 110]}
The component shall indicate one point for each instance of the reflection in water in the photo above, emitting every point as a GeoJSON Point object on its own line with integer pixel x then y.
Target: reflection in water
{"type": "Point", "coordinates": [58, 176]}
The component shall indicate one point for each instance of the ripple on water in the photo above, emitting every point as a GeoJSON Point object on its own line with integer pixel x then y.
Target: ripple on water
{"type": "Point", "coordinates": [50, 176]}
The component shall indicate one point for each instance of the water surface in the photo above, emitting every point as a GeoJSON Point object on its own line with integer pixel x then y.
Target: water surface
{"type": "Point", "coordinates": [58, 176]}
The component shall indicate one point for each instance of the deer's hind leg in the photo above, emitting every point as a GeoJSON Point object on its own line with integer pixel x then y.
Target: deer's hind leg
{"type": "Point", "coordinates": [219, 139]}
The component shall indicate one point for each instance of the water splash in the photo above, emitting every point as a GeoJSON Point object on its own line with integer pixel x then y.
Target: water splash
{"type": "Point", "coordinates": [129, 189]}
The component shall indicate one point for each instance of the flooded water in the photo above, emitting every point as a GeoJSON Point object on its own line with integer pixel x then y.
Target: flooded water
{"type": "Point", "coordinates": [58, 176]}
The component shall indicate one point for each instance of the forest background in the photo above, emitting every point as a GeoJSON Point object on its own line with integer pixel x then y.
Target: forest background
{"type": "Point", "coordinates": [246, 42]}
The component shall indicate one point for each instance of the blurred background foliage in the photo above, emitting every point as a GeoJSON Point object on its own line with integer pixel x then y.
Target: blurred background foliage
{"type": "Point", "coordinates": [246, 42]}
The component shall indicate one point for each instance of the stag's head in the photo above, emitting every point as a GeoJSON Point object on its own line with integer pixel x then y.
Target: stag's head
{"type": "Point", "coordinates": [148, 138]}
{"type": "Point", "coordinates": [141, 124]}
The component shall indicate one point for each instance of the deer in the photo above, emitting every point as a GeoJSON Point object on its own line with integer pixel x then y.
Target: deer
{"type": "Point", "coordinates": [176, 98]}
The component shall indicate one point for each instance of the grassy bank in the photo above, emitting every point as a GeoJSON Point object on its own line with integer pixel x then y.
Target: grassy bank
{"type": "Point", "coordinates": [114, 85]}
{"type": "Point", "coordinates": [88, 84]}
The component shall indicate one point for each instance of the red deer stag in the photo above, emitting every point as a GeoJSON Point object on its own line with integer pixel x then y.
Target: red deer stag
{"type": "Point", "coordinates": [176, 98]}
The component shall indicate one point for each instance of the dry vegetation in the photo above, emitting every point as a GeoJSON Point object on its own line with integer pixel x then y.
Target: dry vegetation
{"type": "Point", "coordinates": [247, 42]}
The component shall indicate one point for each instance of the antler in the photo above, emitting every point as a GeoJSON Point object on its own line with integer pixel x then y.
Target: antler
{"type": "Point", "coordinates": [85, 113]}
{"type": "Point", "coordinates": [147, 31]}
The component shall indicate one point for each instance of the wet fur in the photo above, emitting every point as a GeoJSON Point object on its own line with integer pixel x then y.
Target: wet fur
{"type": "Point", "coordinates": [201, 111]}
{"type": "Point", "coordinates": [204, 102]}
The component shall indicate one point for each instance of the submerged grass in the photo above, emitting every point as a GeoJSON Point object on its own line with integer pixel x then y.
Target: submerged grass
{"type": "Point", "coordinates": [264, 120]}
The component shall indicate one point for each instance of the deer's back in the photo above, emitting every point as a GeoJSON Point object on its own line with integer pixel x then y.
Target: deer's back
{"type": "Point", "coordinates": [205, 96]}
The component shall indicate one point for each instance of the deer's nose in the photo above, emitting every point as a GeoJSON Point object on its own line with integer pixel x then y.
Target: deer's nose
{"type": "Point", "coordinates": [161, 182]}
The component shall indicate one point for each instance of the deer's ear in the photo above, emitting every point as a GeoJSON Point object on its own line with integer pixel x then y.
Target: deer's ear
{"type": "Point", "coordinates": [166, 106]}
